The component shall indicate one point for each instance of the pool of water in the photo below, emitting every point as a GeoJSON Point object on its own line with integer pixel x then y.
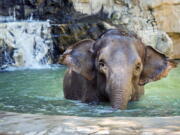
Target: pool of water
{"type": "Point", "coordinates": [40, 91]}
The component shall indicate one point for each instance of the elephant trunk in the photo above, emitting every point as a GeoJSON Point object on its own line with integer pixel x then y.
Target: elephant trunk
{"type": "Point", "coordinates": [121, 91]}
{"type": "Point", "coordinates": [119, 99]}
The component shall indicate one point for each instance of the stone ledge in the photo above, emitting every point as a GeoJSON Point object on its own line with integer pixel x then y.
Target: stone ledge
{"type": "Point", "coordinates": [38, 124]}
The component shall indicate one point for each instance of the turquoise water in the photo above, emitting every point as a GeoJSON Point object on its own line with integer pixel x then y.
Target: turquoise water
{"type": "Point", "coordinates": [40, 91]}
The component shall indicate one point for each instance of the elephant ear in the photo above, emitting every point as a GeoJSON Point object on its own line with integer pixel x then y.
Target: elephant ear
{"type": "Point", "coordinates": [80, 59]}
{"type": "Point", "coordinates": [156, 66]}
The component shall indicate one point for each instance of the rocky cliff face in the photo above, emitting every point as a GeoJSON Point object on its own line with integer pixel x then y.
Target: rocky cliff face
{"type": "Point", "coordinates": [151, 20]}
{"type": "Point", "coordinates": [167, 17]}
{"type": "Point", "coordinates": [60, 11]}
{"type": "Point", "coordinates": [156, 22]}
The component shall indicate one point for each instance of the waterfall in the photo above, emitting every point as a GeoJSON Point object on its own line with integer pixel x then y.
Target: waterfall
{"type": "Point", "coordinates": [31, 17]}
{"type": "Point", "coordinates": [14, 14]}
{"type": "Point", "coordinates": [29, 44]}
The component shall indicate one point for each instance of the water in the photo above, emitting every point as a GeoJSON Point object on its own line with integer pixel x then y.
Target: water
{"type": "Point", "coordinates": [40, 91]}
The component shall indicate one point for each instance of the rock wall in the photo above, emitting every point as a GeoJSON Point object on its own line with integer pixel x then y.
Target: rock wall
{"type": "Point", "coordinates": [167, 17]}
{"type": "Point", "coordinates": [138, 16]}
{"type": "Point", "coordinates": [65, 35]}
{"type": "Point", "coordinates": [155, 21]}
{"type": "Point", "coordinates": [60, 11]}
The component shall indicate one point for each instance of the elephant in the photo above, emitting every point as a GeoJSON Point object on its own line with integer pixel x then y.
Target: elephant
{"type": "Point", "coordinates": [114, 68]}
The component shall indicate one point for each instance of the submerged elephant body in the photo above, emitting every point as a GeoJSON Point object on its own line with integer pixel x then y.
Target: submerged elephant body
{"type": "Point", "coordinates": [114, 69]}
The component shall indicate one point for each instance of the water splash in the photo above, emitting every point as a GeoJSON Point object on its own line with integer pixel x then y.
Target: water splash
{"type": "Point", "coordinates": [31, 42]}
{"type": "Point", "coordinates": [31, 17]}
{"type": "Point", "coordinates": [14, 14]}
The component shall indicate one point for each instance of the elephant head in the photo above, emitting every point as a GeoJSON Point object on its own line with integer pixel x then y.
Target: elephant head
{"type": "Point", "coordinates": [119, 62]}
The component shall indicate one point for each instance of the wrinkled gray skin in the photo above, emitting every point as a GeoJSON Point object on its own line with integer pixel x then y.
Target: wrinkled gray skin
{"type": "Point", "coordinates": [112, 69]}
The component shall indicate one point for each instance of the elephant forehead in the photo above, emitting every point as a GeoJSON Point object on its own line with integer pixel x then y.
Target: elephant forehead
{"type": "Point", "coordinates": [118, 53]}
{"type": "Point", "coordinates": [118, 50]}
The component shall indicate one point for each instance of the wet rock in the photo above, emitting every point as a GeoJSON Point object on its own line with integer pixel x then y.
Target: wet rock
{"type": "Point", "coordinates": [65, 35]}
{"type": "Point", "coordinates": [6, 53]}
{"type": "Point", "coordinates": [18, 57]}
{"type": "Point", "coordinates": [60, 11]}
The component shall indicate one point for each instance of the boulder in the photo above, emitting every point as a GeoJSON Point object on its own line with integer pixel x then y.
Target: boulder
{"type": "Point", "coordinates": [167, 18]}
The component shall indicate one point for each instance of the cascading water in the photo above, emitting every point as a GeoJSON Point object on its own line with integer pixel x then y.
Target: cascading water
{"type": "Point", "coordinates": [29, 42]}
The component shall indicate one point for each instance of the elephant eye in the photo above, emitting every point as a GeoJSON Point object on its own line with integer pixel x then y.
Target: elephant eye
{"type": "Point", "coordinates": [101, 63]}
{"type": "Point", "coordinates": [138, 66]}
